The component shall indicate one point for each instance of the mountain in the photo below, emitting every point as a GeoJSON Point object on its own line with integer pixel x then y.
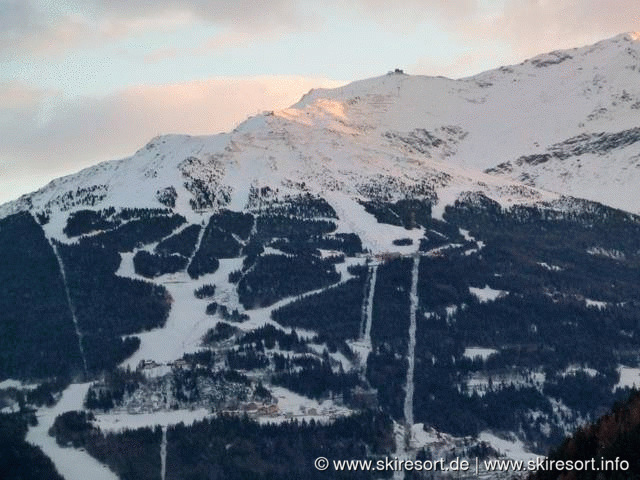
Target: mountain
{"type": "Point", "coordinates": [414, 266]}
{"type": "Point", "coordinates": [558, 122]}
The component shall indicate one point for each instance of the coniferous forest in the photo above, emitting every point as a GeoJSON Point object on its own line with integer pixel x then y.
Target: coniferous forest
{"type": "Point", "coordinates": [554, 311]}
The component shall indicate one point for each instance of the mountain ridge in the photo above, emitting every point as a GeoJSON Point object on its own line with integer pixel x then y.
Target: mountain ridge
{"type": "Point", "coordinates": [446, 129]}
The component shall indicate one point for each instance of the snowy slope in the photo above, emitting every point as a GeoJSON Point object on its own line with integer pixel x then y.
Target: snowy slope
{"type": "Point", "coordinates": [499, 116]}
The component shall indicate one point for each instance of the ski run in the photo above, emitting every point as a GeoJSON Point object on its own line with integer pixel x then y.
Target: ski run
{"type": "Point", "coordinates": [71, 463]}
{"type": "Point", "coordinates": [71, 309]}
{"type": "Point", "coordinates": [163, 454]}
{"type": "Point", "coordinates": [408, 400]}
{"type": "Point", "coordinates": [367, 316]}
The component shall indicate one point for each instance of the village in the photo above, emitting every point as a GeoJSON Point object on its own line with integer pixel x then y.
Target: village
{"type": "Point", "coordinates": [171, 387]}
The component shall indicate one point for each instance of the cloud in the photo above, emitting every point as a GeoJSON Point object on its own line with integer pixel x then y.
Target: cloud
{"type": "Point", "coordinates": [243, 15]}
{"type": "Point", "coordinates": [33, 26]}
{"type": "Point", "coordinates": [18, 96]}
{"type": "Point", "coordinates": [498, 32]}
{"type": "Point", "coordinates": [528, 27]}
{"type": "Point", "coordinates": [403, 15]}
{"type": "Point", "coordinates": [224, 40]}
{"type": "Point", "coordinates": [531, 27]}
{"type": "Point", "coordinates": [26, 27]}
{"type": "Point", "coordinates": [161, 54]}
{"type": "Point", "coordinates": [229, 38]}
{"type": "Point", "coordinates": [529, 20]}
{"type": "Point", "coordinates": [82, 131]}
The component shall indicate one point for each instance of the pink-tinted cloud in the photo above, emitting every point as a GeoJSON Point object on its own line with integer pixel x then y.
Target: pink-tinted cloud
{"type": "Point", "coordinates": [227, 39]}
{"type": "Point", "coordinates": [224, 40]}
{"type": "Point", "coordinates": [505, 31]}
{"type": "Point", "coordinates": [20, 97]}
{"type": "Point", "coordinates": [161, 54]}
{"type": "Point", "coordinates": [530, 27]}
{"type": "Point", "coordinates": [82, 131]}
{"type": "Point", "coordinates": [523, 22]}
{"type": "Point", "coordinates": [526, 26]}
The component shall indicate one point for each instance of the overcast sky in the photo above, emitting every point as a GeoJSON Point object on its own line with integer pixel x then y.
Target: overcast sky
{"type": "Point", "coordinates": [83, 81]}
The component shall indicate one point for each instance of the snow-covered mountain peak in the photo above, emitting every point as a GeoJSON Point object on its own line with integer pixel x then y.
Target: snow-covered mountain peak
{"type": "Point", "coordinates": [564, 122]}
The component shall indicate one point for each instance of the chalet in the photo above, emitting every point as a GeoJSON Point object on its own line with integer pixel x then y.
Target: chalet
{"type": "Point", "coordinates": [269, 409]}
{"type": "Point", "coordinates": [180, 363]}
{"type": "Point", "coordinates": [250, 407]}
{"type": "Point", "coordinates": [147, 365]}
{"type": "Point", "coordinates": [387, 256]}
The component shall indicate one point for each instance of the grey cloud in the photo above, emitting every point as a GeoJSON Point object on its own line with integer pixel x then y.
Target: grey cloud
{"type": "Point", "coordinates": [527, 26]}
{"type": "Point", "coordinates": [445, 7]}
{"type": "Point", "coordinates": [406, 14]}
{"type": "Point", "coordinates": [16, 16]}
{"type": "Point", "coordinates": [19, 22]}
{"type": "Point", "coordinates": [26, 26]}
{"type": "Point", "coordinates": [29, 25]}
{"type": "Point", "coordinates": [241, 14]}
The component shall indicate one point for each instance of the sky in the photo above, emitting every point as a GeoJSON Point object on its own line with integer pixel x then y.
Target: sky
{"type": "Point", "coordinates": [83, 81]}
